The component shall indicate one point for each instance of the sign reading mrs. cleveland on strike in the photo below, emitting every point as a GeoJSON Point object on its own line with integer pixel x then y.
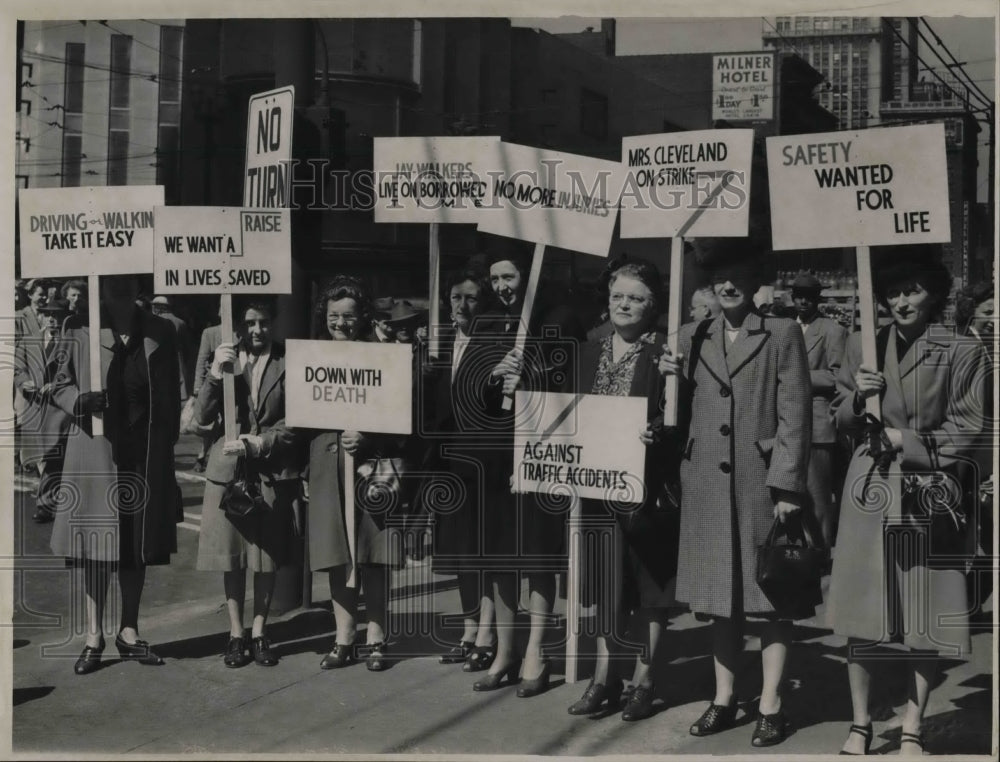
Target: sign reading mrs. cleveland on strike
{"type": "Point", "coordinates": [585, 445]}
{"type": "Point", "coordinates": [87, 231]}
{"type": "Point", "coordinates": [222, 250]}
{"type": "Point", "coordinates": [687, 184]}
{"type": "Point", "coordinates": [432, 179]}
{"type": "Point", "coordinates": [349, 386]}
{"type": "Point", "coordinates": [874, 187]}
{"type": "Point", "coordinates": [553, 198]}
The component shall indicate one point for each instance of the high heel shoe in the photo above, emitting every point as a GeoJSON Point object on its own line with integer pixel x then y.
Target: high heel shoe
{"type": "Point", "coordinates": [340, 656]}
{"type": "Point", "coordinates": [915, 738]}
{"type": "Point", "coordinates": [377, 661]}
{"type": "Point", "coordinates": [716, 718]}
{"type": "Point", "coordinates": [490, 682]}
{"type": "Point", "coordinates": [866, 732]}
{"type": "Point", "coordinates": [596, 694]}
{"type": "Point", "coordinates": [640, 704]}
{"type": "Point", "coordinates": [540, 684]}
{"type": "Point", "coordinates": [480, 658]}
{"type": "Point", "coordinates": [458, 654]}
{"type": "Point", "coordinates": [771, 729]}
{"type": "Point", "coordinates": [90, 659]}
{"type": "Point", "coordinates": [138, 652]}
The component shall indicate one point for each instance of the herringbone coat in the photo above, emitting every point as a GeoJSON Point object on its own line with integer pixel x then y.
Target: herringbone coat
{"type": "Point", "coordinates": [750, 409]}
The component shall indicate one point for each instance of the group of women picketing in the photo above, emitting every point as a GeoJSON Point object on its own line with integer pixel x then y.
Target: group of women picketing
{"type": "Point", "coordinates": [715, 482]}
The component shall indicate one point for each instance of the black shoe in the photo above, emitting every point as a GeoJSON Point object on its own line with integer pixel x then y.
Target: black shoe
{"type": "Point", "coordinates": [260, 647]}
{"type": "Point", "coordinates": [770, 729]}
{"type": "Point", "coordinates": [138, 651]}
{"type": "Point", "coordinates": [377, 661]}
{"type": "Point", "coordinates": [490, 682]}
{"type": "Point", "coordinates": [42, 516]}
{"type": "Point", "coordinates": [236, 653]}
{"type": "Point", "coordinates": [340, 656]}
{"type": "Point", "coordinates": [866, 732]}
{"type": "Point", "coordinates": [534, 687]}
{"type": "Point", "coordinates": [640, 704]}
{"type": "Point", "coordinates": [90, 659]}
{"type": "Point", "coordinates": [480, 658]}
{"type": "Point", "coordinates": [595, 695]}
{"type": "Point", "coordinates": [914, 738]}
{"type": "Point", "coordinates": [458, 654]}
{"type": "Point", "coordinates": [715, 719]}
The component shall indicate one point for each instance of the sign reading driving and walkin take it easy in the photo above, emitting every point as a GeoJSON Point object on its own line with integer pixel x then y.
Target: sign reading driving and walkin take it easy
{"type": "Point", "coordinates": [687, 184]}
{"type": "Point", "coordinates": [561, 446]}
{"type": "Point", "coordinates": [349, 386]}
{"type": "Point", "coordinates": [268, 180]}
{"type": "Point", "coordinates": [743, 87]}
{"type": "Point", "coordinates": [874, 187]}
{"type": "Point", "coordinates": [87, 231]}
{"type": "Point", "coordinates": [432, 179]}
{"type": "Point", "coordinates": [553, 198]}
{"type": "Point", "coordinates": [222, 250]}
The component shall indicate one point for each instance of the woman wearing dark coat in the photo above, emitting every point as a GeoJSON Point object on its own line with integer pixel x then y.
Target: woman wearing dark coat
{"type": "Point", "coordinates": [887, 586]}
{"type": "Point", "coordinates": [260, 542]}
{"type": "Point", "coordinates": [749, 401]}
{"type": "Point", "coordinates": [344, 313]}
{"type": "Point", "coordinates": [125, 498]}
{"type": "Point", "coordinates": [626, 364]}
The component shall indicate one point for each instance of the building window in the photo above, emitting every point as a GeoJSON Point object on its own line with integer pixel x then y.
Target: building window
{"type": "Point", "coordinates": [119, 103]}
{"type": "Point", "coordinates": [593, 114]}
{"type": "Point", "coordinates": [72, 148]}
{"type": "Point", "coordinates": [169, 113]}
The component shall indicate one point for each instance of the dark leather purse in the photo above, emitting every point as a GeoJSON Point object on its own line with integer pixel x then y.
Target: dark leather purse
{"type": "Point", "coordinates": [789, 572]}
{"type": "Point", "coordinates": [242, 496]}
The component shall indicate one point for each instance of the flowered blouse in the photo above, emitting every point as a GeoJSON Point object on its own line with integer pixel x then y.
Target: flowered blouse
{"type": "Point", "coordinates": [614, 379]}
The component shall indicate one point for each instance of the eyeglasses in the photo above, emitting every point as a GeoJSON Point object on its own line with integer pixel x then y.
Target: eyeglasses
{"type": "Point", "coordinates": [616, 298]}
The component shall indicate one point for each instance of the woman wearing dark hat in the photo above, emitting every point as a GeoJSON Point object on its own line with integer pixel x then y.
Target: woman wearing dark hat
{"type": "Point", "coordinates": [625, 364]}
{"type": "Point", "coordinates": [343, 312]}
{"type": "Point", "coordinates": [747, 395]}
{"type": "Point", "coordinates": [126, 496]}
{"type": "Point", "coordinates": [905, 497]}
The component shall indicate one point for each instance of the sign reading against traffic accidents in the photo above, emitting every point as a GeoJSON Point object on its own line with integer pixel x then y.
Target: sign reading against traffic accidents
{"type": "Point", "coordinates": [585, 445]}
{"type": "Point", "coordinates": [349, 386]}
{"type": "Point", "coordinates": [874, 187]}
{"type": "Point", "coordinates": [553, 198]}
{"type": "Point", "coordinates": [687, 184]}
{"type": "Point", "coordinates": [432, 179]}
{"type": "Point", "coordinates": [87, 231]}
{"type": "Point", "coordinates": [743, 87]}
{"type": "Point", "coordinates": [268, 180]}
{"type": "Point", "coordinates": [222, 250]}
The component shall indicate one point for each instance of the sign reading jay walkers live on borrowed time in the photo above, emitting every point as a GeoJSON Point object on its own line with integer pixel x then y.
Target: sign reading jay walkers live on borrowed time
{"type": "Point", "coordinates": [875, 187]}
{"type": "Point", "coordinates": [433, 179]}
{"type": "Point", "coordinates": [561, 446]}
{"type": "Point", "coordinates": [553, 198]}
{"type": "Point", "coordinates": [687, 184]}
{"type": "Point", "coordinates": [87, 231]}
{"type": "Point", "coordinates": [349, 386]}
{"type": "Point", "coordinates": [222, 250]}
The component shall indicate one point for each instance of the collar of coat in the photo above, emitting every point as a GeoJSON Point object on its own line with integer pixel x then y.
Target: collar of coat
{"type": "Point", "coordinates": [936, 339]}
{"type": "Point", "coordinates": [154, 330]}
{"type": "Point", "coordinates": [725, 362]}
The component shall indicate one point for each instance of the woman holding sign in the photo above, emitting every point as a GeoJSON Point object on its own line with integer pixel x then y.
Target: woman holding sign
{"type": "Point", "coordinates": [265, 458]}
{"type": "Point", "coordinates": [126, 498]}
{"type": "Point", "coordinates": [744, 384]}
{"type": "Point", "coordinates": [620, 365]}
{"type": "Point", "coordinates": [344, 313]}
{"type": "Point", "coordinates": [904, 539]}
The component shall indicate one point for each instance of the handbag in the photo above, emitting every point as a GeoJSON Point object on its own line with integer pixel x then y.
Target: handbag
{"type": "Point", "coordinates": [789, 572]}
{"type": "Point", "coordinates": [242, 496]}
{"type": "Point", "coordinates": [379, 484]}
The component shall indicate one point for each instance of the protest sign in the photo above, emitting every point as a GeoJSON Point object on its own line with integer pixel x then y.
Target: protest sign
{"type": "Point", "coordinates": [433, 179]}
{"type": "Point", "coordinates": [92, 231]}
{"type": "Point", "coordinates": [874, 187]}
{"type": "Point", "coordinates": [349, 386]}
{"type": "Point", "coordinates": [561, 446]}
{"type": "Point", "coordinates": [268, 179]}
{"type": "Point", "coordinates": [553, 198]}
{"type": "Point", "coordinates": [227, 250]}
{"type": "Point", "coordinates": [743, 86]}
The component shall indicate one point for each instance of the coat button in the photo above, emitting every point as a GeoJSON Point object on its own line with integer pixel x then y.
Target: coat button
{"type": "Point", "coordinates": [724, 467]}
{"type": "Point", "coordinates": [725, 430]}
{"type": "Point", "coordinates": [724, 391]}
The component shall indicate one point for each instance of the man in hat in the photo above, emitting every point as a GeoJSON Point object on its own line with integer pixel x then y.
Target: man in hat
{"type": "Point", "coordinates": [404, 321]}
{"type": "Point", "coordinates": [825, 340]}
{"type": "Point", "coordinates": [381, 314]}
{"type": "Point", "coordinates": [44, 425]}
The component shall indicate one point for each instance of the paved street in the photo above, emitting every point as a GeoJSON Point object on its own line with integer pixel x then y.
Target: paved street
{"type": "Point", "coordinates": [195, 704]}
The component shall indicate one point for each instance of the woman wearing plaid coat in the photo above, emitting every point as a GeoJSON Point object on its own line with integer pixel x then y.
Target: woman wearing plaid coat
{"type": "Point", "coordinates": [745, 387]}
